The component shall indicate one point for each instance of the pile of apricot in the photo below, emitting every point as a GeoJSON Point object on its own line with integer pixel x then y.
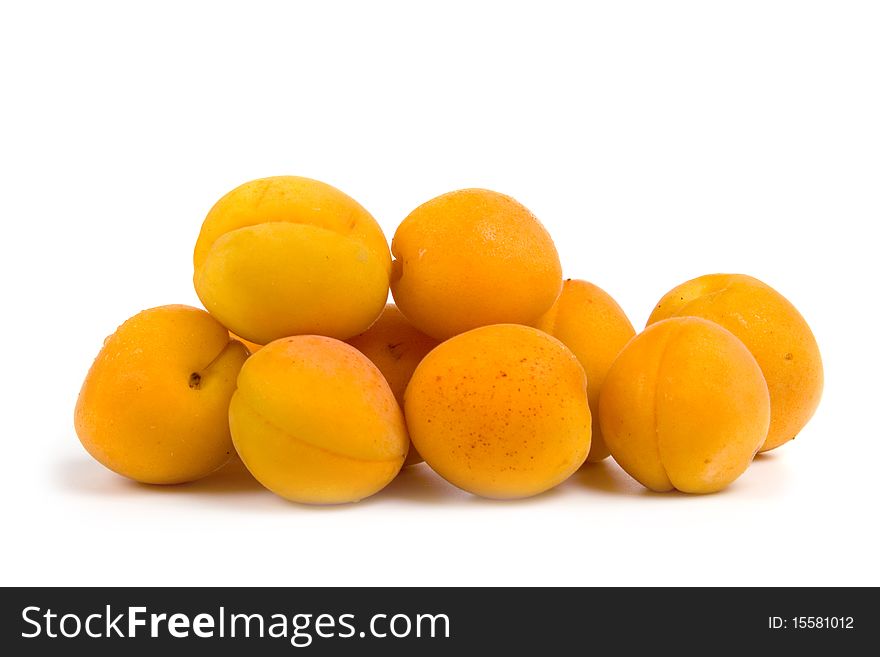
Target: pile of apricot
{"type": "Point", "coordinates": [501, 376]}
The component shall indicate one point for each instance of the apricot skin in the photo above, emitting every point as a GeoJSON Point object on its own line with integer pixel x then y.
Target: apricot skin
{"type": "Point", "coordinates": [289, 256]}
{"type": "Point", "coordinates": [396, 347]}
{"type": "Point", "coordinates": [472, 258]}
{"type": "Point", "coordinates": [153, 406]}
{"type": "Point", "coordinates": [315, 422]}
{"type": "Point", "coordinates": [589, 322]}
{"type": "Point", "coordinates": [772, 329]}
{"type": "Point", "coordinates": [684, 406]}
{"type": "Point", "coordinates": [500, 411]}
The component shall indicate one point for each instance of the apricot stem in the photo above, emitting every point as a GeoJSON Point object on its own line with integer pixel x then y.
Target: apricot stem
{"type": "Point", "coordinates": [195, 379]}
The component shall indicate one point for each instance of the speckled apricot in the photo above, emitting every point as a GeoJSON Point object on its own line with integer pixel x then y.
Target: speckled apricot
{"type": "Point", "coordinates": [396, 347]}
{"type": "Point", "coordinates": [315, 422]}
{"type": "Point", "coordinates": [500, 411]}
{"type": "Point", "coordinates": [773, 330]}
{"type": "Point", "coordinates": [154, 404]}
{"type": "Point", "coordinates": [684, 406]}
{"type": "Point", "coordinates": [472, 258]}
{"type": "Point", "coordinates": [289, 256]}
{"type": "Point", "coordinates": [590, 323]}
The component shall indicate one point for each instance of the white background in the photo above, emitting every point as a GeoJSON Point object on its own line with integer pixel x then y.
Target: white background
{"type": "Point", "coordinates": [656, 141]}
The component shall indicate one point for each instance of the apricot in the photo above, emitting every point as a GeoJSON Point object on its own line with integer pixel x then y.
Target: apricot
{"type": "Point", "coordinates": [396, 347]}
{"type": "Point", "coordinates": [500, 411]}
{"type": "Point", "coordinates": [773, 330]}
{"type": "Point", "coordinates": [590, 323]}
{"type": "Point", "coordinates": [315, 422]}
{"type": "Point", "coordinates": [472, 258]}
{"type": "Point", "coordinates": [684, 406]}
{"type": "Point", "coordinates": [289, 256]}
{"type": "Point", "coordinates": [153, 406]}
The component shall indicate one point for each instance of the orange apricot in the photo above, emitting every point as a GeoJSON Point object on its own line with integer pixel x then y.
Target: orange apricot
{"type": "Point", "coordinates": [315, 422]}
{"type": "Point", "coordinates": [290, 256]}
{"type": "Point", "coordinates": [684, 406]}
{"type": "Point", "coordinates": [773, 330]}
{"type": "Point", "coordinates": [590, 323]}
{"type": "Point", "coordinates": [472, 258]}
{"type": "Point", "coordinates": [500, 411]}
{"type": "Point", "coordinates": [154, 404]}
{"type": "Point", "coordinates": [396, 347]}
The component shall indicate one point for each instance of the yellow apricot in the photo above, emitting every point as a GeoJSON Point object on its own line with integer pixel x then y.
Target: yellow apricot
{"type": "Point", "coordinates": [154, 404]}
{"type": "Point", "coordinates": [773, 330]}
{"type": "Point", "coordinates": [315, 422]}
{"type": "Point", "coordinates": [396, 347]}
{"type": "Point", "coordinates": [500, 411]}
{"type": "Point", "coordinates": [289, 256]}
{"type": "Point", "coordinates": [684, 406]}
{"type": "Point", "coordinates": [590, 323]}
{"type": "Point", "coordinates": [472, 258]}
